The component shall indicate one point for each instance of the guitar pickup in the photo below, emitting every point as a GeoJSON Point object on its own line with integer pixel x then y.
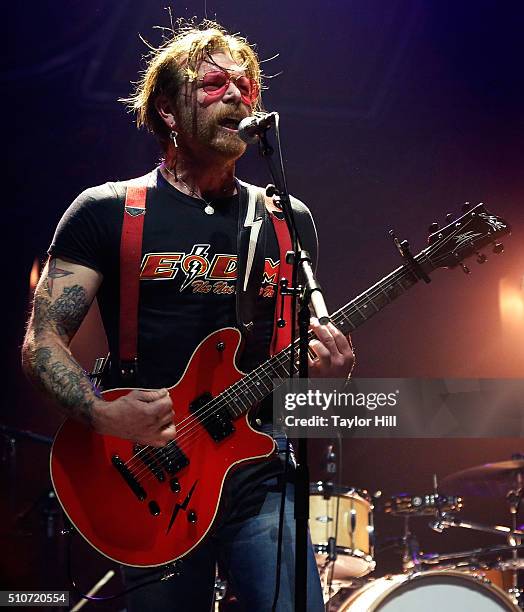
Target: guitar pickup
{"type": "Point", "coordinates": [148, 459]}
{"type": "Point", "coordinates": [129, 477]}
{"type": "Point", "coordinates": [216, 421]}
{"type": "Point", "coordinates": [172, 458]}
{"type": "Point", "coordinates": [164, 459]}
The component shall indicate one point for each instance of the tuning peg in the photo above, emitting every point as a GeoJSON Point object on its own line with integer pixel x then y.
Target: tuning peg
{"type": "Point", "coordinates": [498, 247]}
{"type": "Point", "coordinates": [481, 258]}
{"type": "Point", "coordinates": [433, 227]}
{"type": "Point", "coordinates": [465, 269]}
{"type": "Point", "coordinates": [449, 217]}
{"type": "Point", "coordinates": [466, 207]}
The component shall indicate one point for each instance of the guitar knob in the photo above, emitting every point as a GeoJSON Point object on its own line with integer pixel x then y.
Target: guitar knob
{"type": "Point", "coordinates": [466, 207]}
{"type": "Point", "coordinates": [154, 508]}
{"type": "Point", "coordinates": [498, 248]}
{"type": "Point", "coordinates": [192, 516]}
{"type": "Point", "coordinates": [481, 258]}
{"type": "Point", "coordinates": [465, 269]}
{"type": "Point", "coordinates": [433, 227]}
{"type": "Point", "coordinates": [449, 217]}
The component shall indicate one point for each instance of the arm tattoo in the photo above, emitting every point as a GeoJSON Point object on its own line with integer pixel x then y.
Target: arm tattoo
{"type": "Point", "coordinates": [64, 314]}
{"type": "Point", "coordinates": [47, 358]}
{"type": "Point", "coordinates": [53, 272]}
{"type": "Point", "coordinates": [58, 373]}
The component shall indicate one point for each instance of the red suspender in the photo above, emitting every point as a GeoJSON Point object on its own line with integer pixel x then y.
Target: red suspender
{"type": "Point", "coordinates": [130, 256]}
{"type": "Point", "coordinates": [282, 335]}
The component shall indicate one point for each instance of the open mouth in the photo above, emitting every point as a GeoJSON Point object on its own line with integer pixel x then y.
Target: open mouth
{"type": "Point", "coordinates": [230, 123]}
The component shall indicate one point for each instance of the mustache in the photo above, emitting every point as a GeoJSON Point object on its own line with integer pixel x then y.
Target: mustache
{"type": "Point", "coordinates": [232, 115]}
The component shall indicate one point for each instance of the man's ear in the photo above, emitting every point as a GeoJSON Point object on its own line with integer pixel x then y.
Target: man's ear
{"type": "Point", "coordinates": [165, 109]}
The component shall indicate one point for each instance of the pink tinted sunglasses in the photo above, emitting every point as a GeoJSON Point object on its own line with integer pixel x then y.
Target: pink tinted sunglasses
{"type": "Point", "coordinates": [216, 82]}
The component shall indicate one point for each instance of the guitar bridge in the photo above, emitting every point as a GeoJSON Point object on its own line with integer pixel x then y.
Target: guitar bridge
{"type": "Point", "coordinates": [215, 420]}
{"type": "Point", "coordinates": [129, 477]}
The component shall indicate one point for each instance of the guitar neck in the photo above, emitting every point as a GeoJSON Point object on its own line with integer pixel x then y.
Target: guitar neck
{"type": "Point", "coordinates": [256, 385]}
{"type": "Point", "coordinates": [370, 302]}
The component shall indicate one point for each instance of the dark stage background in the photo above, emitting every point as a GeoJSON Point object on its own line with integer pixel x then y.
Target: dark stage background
{"type": "Point", "coordinates": [393, 113]}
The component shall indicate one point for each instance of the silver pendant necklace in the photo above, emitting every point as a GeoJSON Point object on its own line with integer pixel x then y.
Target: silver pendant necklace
{"type": "Point", "coordinates": [209, 210]}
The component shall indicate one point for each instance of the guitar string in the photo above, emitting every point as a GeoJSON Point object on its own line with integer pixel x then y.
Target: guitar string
{"type": "Point", "coordinates": [187, 435]}
{"type": "Point", "coordinates": [394, 275]}
{"type": "Point", "coordinates": [231, 393]}
{"type": "Point", "coordinates": [270, 366]}
{"type": "Point", "coordinates": [223, 399]}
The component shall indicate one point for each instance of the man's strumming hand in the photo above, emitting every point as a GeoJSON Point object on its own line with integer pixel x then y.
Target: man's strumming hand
{"type": "Point", "coordinates": [143, 415]}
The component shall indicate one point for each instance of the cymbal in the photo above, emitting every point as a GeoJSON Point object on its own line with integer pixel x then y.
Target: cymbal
{"type": "Point", "coordinates": [488, 480]}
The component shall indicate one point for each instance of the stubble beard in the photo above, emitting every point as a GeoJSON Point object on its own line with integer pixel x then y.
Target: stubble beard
{"type": "Point", "coordinates": [209, 138]}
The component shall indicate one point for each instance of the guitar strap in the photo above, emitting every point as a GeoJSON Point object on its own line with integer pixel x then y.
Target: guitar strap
{"type": "Point", "coordinates": [282, 334]}
{"type": "Point", "coordinates": [130, 257]}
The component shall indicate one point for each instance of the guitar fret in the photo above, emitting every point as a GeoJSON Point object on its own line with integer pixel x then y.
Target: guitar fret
{"type": "Point", "coordinates": [261, 381]}
{"type": "Point", "coordinates": [359, 311]}
{"type": "Point", "coordinates": [348, 320]}
{"type": "Point", "coordinates": [385, 293]}
{"type": "Point", "coordinates": [247, 389]}
{"type": "Point", "coordinates": [231, 408]}
{"type": "Point", "coordinates": [283, 370]}
{"type": "Point", "coordinates": [229, 395]}
{"type": "Point", "coordinates": [370, 300]}
{"type": "Point", "coordinates": [238, 396]}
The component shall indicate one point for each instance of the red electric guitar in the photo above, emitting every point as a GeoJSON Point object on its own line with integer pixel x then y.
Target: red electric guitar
{"type": "Point", "coordinates": [144, 506]}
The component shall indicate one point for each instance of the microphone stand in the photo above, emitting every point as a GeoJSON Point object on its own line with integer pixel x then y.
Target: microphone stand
{"type": "Point", "coordinates": [306, 295]}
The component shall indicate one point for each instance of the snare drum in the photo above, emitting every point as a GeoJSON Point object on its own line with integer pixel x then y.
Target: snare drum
{"type": "Point", "coordinates": [353, 530]}
{"type": "Point", "coordinates": [431, 591]}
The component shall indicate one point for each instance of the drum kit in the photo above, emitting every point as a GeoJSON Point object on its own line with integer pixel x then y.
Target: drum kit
{"type": "Point", "coordinates": [342, 531]}
{"type": "Point", "coordinates": [480, 580]}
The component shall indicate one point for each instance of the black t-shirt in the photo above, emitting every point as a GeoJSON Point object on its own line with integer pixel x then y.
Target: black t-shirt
{"type": "Point", "coordinates": [188, 274]}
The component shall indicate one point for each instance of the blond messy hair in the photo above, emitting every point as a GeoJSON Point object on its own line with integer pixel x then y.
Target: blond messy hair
{"type": "Point", "coordinates": [177, 61]}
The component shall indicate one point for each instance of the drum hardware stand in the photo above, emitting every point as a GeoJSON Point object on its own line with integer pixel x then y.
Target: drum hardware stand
{"type": "Point", "coordinates": [494, 475]}
{"type": "Point", "coordinates": [514, 497]}
{"type": "Point", "coordinates": [9, 455]}
{"type": "Point", "coordinates": [220, 589]}
{"type": "Point", "coordinates": [331, 468]}
{"type": "Point", "coordinates": [445, 522]}
{"type": "Point", "coordinates": [328, 486]}
{"type": "Point", "coordinates": [46, 502]}
{"type": "Point", "coordinates": [411, 562]}
{"type": "Point", "coordinates": [476, 554]}
{"type": "Point", "coordinates": [50, 510]}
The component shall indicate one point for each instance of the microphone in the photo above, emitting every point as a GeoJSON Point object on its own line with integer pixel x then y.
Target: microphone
{"type": "Point", "coordinates": [250, 128]}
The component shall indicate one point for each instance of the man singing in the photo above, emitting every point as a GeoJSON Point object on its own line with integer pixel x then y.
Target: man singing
{"type": "Point", "coordinates": [209, 259]}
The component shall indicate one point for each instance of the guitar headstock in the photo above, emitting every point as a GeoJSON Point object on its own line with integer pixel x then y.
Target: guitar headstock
{"type": "Point", "coordinates": [466, 236]}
